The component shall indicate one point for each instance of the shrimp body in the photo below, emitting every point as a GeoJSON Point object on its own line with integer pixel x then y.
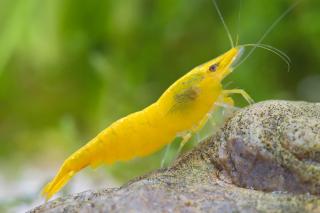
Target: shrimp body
{"type": "Point", "coordinates": [182, 108]}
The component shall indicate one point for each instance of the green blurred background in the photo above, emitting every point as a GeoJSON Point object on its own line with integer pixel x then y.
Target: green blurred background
{"type": "Point", "coordinates": [68, 68]}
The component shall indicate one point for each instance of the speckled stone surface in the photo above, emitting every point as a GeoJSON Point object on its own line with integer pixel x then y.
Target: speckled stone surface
{"type": "Point", "coordinates": [266, 158]}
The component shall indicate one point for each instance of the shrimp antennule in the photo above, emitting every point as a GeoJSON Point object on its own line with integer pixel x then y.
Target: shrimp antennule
{"type": "Point", "coordinates": [223, 22]}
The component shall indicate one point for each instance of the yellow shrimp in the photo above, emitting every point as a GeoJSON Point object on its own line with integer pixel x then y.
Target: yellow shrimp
{"type": "Point", "coordinates": [181, 110]}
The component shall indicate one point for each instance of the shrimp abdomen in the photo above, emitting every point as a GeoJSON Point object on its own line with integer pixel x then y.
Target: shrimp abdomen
{"type": "Point", "coordinates": [135, 135]}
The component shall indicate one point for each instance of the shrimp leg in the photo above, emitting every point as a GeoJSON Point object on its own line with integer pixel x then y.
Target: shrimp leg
{"type": "Point", "coordinates": [163, 161]}
{"type": "Point", "coordinates": [185, 139]}
{"type": "Point", "coordinates": [243, 93]}
{"type": "Point", "coordinates": [187, 136]}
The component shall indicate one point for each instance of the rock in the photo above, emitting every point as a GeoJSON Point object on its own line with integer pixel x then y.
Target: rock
{"type": "Point", "coordinates": [273, 146]}
{"type": "Point", "coordinates": [266, 158]}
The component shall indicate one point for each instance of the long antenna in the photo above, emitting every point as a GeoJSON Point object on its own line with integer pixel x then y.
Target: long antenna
{"type": "Point", "coordinates": [272, 49]}
{"type": "Point", "coordinates": [238, 24]}
{"type": "Point", "coordinates": [223, 22]}
{"type": "Point", "coordinates": [270, 29]}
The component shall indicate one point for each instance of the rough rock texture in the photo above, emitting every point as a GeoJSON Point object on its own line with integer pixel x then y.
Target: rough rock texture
{"type": "Point", "coordinates": [266, 158]}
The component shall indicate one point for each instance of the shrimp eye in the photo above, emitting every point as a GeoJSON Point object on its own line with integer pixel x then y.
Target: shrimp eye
{"type": "Point", "coordinates": [213, 67]}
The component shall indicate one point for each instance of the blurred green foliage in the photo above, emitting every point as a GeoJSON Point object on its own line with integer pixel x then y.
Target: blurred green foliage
{"type": "Point", "coordinates": [69, 68]}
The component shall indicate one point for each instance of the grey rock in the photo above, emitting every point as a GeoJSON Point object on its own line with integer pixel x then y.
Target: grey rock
{"type": "Point", "coordinates": [266, 158]}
